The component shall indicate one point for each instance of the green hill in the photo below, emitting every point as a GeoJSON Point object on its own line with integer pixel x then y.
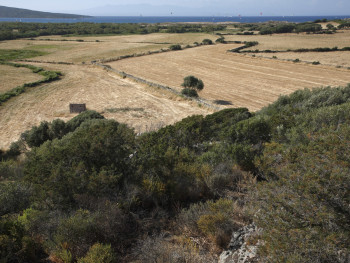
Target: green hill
{"type": "Point", "coordinates": [11, 12]}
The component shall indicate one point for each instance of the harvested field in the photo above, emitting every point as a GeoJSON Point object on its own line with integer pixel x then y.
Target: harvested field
{"type": "Point", "coordinates": [237, 80]}
{"type": "Point", "coordinates": [106, 47]}
{"type": "Point", "coordinates": [294, 41]}
{"type": "Point", "coordinates": [12, 77]}
{"type": "Point", "coordinates": [138, 106]}
{"type": "Point", "coordinates": [339, 58]}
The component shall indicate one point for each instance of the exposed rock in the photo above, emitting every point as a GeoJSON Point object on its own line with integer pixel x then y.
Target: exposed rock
{"type": "Point", "coordinates": [239, 251]}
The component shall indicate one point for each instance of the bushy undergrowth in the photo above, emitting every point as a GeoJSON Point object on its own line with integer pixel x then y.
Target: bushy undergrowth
{"type": "Point", "coordinates": [91, 190]}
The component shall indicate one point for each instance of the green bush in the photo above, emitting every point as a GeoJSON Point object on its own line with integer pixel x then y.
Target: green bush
{"type": "Point", "coordinates": [214, 220]}
{"type": "Point", "coordinates": [93, 159]}
{"type": "Point", "coordinates": [300, 207]}
{"type": "Point", "coordinates": [99, 253]}
{"type": "Point", "coordinates": [175, 47]}
{"type": "Point", "coordinates": [207, 41]}
{"type": "Point", "coordinates": [189, 92]}
{"type": "Point", "coordinates": [193, 83]}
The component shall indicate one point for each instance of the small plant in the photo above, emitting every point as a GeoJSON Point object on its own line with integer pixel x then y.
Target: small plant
{"type": "Point", "coordinates": [274, 57]}
{"type": "Point", "coordinates": [175, 47]}
{"type": "Point", "coordinates": [296, 60]}
{"type": "Point", "coordinates": [207, 42]}
{"type": "Point", "coordinates": [316, 63]}
{"type": "Point", "coordinates": [221, 40]}
{"type": "Point", "coordinates": [189, 92]}
{"type": "Point", "coordinates": [193, 83]}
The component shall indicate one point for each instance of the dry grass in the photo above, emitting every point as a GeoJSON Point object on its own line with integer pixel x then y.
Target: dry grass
{"type": "Point", "coordinates": [108, 46]}
{"type": "Point", "coordinates": [231, 78]}
{"type": "Point", "coordinates": [340, 58]}
{"type": "Point", "coordinates": [100, 90]}
{"type": "Point", "coordinates": [234, 78]}
{"type": "Point", "coordinates": [295, 41]}
{"type": "Point", "coordinates": [12, 77]}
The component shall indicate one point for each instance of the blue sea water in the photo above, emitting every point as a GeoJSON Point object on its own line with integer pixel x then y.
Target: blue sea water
{"type": "Point", "coordinates": [164, 19]}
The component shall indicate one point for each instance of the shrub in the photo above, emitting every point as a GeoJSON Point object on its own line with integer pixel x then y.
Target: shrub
{"type": "Point", "coordinates": [316, 63]}
{"type": "Point", "coordinates": [175, 47]}
{"type": "Point", "coordinates": [207, 41]}
{"type": "Point", "coordinates": [99, 253]}
{"type": "Point", "coordinates": [82, 117]}
{"type": "Point", "coordinates": [221, 40]}
{"type": "Point", "coordinates": [301, 209]}
{"type": "Point", "coordinates": [193, 83]}
{"type": "Point", "coordinates": [189, 92]}
{"type": "Point", "coordinates": [214, 219]}
{"type": "Point", "coordinates": [93, 159]}
{"type": "Point", "coordinates": [14, 197]}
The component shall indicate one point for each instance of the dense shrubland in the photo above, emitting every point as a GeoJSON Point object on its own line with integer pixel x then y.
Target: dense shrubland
{"type": "Point", "coordinates": [15, 30]}
{"type": "Point", "coordinates": [269, 28]}
{"type": "Point", "coordinates": [90, 190]}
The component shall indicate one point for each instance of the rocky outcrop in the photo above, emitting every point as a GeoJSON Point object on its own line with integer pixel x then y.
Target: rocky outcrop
{"type": "Point", "coordinates": [239, 249]}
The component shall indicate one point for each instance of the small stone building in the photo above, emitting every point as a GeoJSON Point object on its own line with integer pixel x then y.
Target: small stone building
{"type": "Point", "coordinates": [77, 108]}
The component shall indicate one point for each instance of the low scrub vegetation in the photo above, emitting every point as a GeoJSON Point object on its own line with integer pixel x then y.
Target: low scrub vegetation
{"type": "Point", "coordinates": [15, 30]}
{"type": "Point", "coordinates": [90, 190]}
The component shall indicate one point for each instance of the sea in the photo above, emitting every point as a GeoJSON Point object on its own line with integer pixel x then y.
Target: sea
{"type": "Point", "coordinates": [174, 19]}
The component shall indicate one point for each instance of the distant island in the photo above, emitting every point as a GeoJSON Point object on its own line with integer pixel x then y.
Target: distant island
{"type": "Point", "coordinates": [11, 12]}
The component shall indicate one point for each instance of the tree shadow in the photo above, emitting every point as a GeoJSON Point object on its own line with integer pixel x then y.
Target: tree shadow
{"type": "Point", "coordinates": [223, 102]}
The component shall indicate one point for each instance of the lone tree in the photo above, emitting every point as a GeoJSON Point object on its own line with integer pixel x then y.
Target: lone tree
{"type": "Point", "coordinates": [191, 85]}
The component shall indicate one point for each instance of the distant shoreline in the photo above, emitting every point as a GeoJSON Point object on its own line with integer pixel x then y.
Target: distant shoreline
{"type": "Point", "coordinates": [174, 19]}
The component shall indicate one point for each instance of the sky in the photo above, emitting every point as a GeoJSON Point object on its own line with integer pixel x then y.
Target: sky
{"type": "Point", "coordinates": [186, 7]}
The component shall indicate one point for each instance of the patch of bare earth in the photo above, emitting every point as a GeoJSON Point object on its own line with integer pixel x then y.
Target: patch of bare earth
{"type": "Point", "coordinates": [240, 80]}
{"type": "Point", "coordinates": [138, 106]}
{"type": "Point", "coordinates": [12, 77]}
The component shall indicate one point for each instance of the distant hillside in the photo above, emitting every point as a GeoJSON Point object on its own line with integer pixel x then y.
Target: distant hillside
{"type": "Point", "coordinates": [11, 12]}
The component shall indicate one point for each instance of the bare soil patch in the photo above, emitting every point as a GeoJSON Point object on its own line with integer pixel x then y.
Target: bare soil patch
{"type": "Point", "coordinates": [138, 106]}
{"type": "Point", "coordinates": [12, 77]}
{"type": "Point", "coordinates": [239, 80]}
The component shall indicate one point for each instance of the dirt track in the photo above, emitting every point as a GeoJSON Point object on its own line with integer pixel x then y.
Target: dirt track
{"type": "Point", "coordinates": [140, 107]}
{"type": "Point", "coordinates": [235, 79]}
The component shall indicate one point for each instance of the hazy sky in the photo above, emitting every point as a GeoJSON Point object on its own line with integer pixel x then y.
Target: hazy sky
{"type": "Point", "coordinates": [214, 7]}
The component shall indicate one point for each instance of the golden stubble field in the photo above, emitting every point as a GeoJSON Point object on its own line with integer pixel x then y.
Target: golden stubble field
{"type": "Point", "coordinates": [283, 42]}
{"type": "Point", "coordinates": [12, 77]}
{"type": "Point", "coordinates": [237, 80]}
{"type": "Point", "coordinates": [294, 41]}
{"type": "Point", "coordinates": [240, 80]}
{"type": "Point", "coordinates": [138, 106]}
{"type": "Point", "coordinates": [106, 47]}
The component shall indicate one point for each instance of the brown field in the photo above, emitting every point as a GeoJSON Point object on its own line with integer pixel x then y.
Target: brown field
{"type": "Point", "coordinates": [140, 107]}
{"type": "Point", "coordinates": [237, 80]}
{"type": "Point", "coordinates": [12, 77]}
{"type": "Point", "coordinates": [295, 41]}
{"type": "Point", "coordinates": [240, 80]}
{"type": "Point", "coordinates": [109, 46]}
{"type": "Point", "coordinates": [340, 58]}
